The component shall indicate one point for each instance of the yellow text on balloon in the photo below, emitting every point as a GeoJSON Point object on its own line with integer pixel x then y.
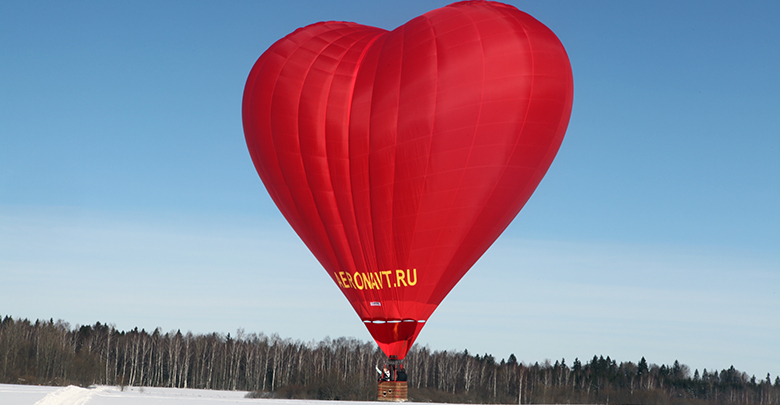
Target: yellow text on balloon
{"type": "Point", "coordinates": [376, 280]}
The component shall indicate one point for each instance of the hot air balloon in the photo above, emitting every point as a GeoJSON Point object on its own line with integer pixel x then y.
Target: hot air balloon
{"type": "Point", "coordinates": [400, 156]}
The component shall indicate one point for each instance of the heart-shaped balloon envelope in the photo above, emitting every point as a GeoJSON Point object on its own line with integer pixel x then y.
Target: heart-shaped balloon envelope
{"type": "Point", "coordinates": [400, 156]}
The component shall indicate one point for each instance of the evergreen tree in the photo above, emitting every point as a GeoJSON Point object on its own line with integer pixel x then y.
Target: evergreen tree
{"type": "Point", "coordinates": [642, 367]}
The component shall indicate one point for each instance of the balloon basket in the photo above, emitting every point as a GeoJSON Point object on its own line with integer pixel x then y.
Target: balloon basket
{"type": "Point", "coordinates": [391, 391]}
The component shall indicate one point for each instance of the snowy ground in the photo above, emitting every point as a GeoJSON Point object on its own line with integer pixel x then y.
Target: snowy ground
{"type": "Point", "coordinates": [110, 395]}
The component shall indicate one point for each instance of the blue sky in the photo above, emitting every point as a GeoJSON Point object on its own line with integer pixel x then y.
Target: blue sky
{"type": "Point", "coordinates": [127, 194]}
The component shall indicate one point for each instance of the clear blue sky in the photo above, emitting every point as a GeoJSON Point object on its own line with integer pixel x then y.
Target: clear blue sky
{"type": "Point", "coordinates": [127, 195]}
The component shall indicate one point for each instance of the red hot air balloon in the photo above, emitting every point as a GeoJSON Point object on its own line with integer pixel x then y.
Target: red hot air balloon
{"type": "Point", "coordinates": [400, 156]}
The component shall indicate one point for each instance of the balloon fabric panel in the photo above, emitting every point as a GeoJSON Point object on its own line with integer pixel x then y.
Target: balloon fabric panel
{"type": "Point", "coordinates": [399, 157]}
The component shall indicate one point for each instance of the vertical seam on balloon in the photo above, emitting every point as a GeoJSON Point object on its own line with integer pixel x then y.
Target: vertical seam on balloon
{"type": "Point", "coordinates": [252, 88]}
{"type": "Point", "coordinates": [349, 114]}
{"type": "Point", "coordinates": [370, 202]}
{"type": "Point", "coordinates": [530, 91]}
{"type": "Point", "coordinates": [298, 138]}
{"type": "Point", "coordinates": [333, 199]}
{"type": "Point", "coordinates": [481, 98]}
{"type": "Point", "coordinates": [430, 143]}
{"type": "Point", "coordinates": [473, 139]}
{"type": "Point", "coordinates": [358, 65]}
{"type": "Point", "coordinates": [564, 121]}
{"type": "Point", "coordinates": [362, 293]}
{"type": "Point", "coordinates": [248, 96]}
{"type": "Point", "coordinates": [303, 161]}
{"type": "Point", "coordinates": [270, 124]}
{"type": "Point", "coordinates": [253, 77]}
{"type": "Point", "coordinates": [396, 292]}
{"type": "Point", "coordinates": [370, 224]}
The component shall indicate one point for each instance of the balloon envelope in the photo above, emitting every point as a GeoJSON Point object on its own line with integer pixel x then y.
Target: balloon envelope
{"type": "Point", "coordinates": [400, 156]}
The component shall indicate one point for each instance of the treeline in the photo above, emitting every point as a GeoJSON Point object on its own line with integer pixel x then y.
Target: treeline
{"type": "Point", "coordinates": [53, 353]}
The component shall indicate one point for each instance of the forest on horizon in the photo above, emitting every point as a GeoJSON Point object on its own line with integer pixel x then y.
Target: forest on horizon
{"type": "Point", "coordinates": [53, 353]}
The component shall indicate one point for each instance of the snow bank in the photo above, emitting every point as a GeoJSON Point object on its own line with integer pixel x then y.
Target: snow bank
{"type": "Point", "coordinates": [70, 395]}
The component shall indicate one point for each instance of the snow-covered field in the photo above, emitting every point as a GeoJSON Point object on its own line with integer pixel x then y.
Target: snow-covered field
{"type": "Point", "coordinates": [110, 395]}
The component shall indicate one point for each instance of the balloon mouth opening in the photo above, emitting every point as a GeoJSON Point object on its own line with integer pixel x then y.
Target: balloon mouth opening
{"type": "Point", "coordinates": [383, 321]}
{"type": "Point", "coordinates": [394, 336]}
